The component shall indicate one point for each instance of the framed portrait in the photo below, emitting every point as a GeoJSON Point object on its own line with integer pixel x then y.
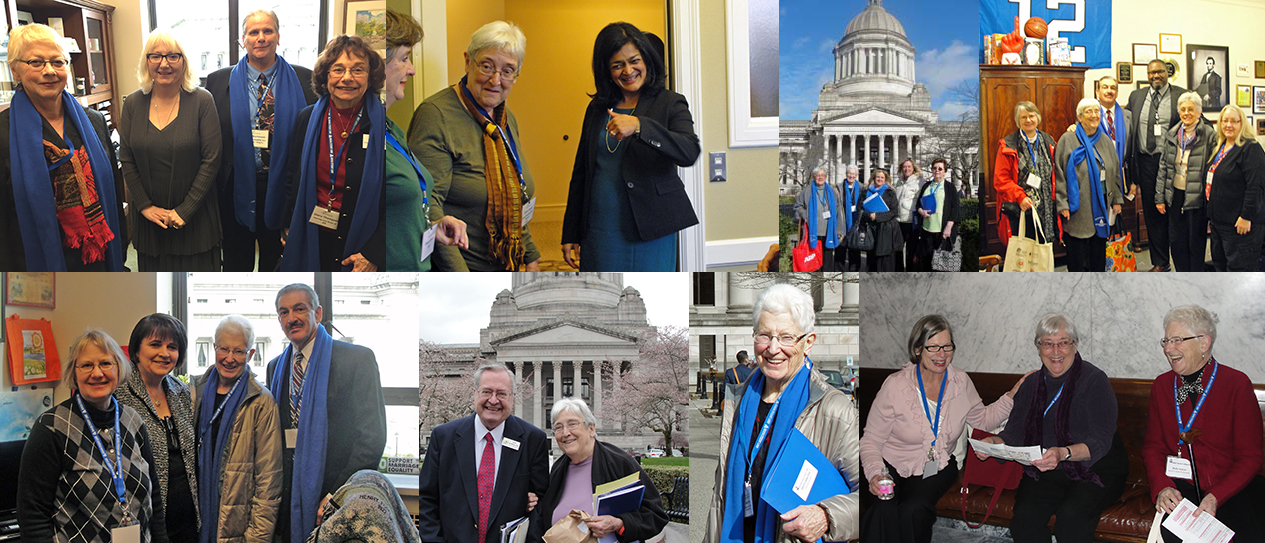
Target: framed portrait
{"type": "Point", "coordinates": [1124, 72]}
{"type": "Point", "coordinates": [1258, 100]}
{"type": "Point", "coordinates": [367, 19]}
{"type": "Point", "coordinates": [1243, 95]}
{"type": "Point", "coordinates": [1260, 69]}
{"type": "Point", "coordinates": [1144, 53]}
{"type": "Point", "coordinates": [1208, 73]}
{"type": "Point", "coordinates": [1171, 44]}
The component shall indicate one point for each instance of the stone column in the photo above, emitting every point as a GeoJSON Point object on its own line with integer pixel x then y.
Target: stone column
{"type": "Point", "coordinates": [852, 150]}
{"type": "Point", "coordinates": [518, 398]}
{"type": "Point", "coordinates": [557, 380]}
{"type": "Point", "coordinates": [577, 389]}
{"type": "Point", "coordinates": [597, 389]}
{"type": "Point", "coordinates": [882, 147]}
{"type": "Point", "coordinates": [540, 393]}
{"type": "Point", "coordinates": [865, 172]}
{"type": "Point", "coordinates": [909, 146]}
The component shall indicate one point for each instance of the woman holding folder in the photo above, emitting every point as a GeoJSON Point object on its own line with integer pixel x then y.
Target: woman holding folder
{"type": "Point", "coordinates": [879, 207]}
{"type": "Point", "coordinates": [787, 396]}
{"type": "Point", "coordinates": [587, 464]}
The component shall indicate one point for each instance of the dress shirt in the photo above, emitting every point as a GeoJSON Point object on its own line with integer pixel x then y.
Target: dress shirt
{"type": "Point", "coordinates": [480, 443]}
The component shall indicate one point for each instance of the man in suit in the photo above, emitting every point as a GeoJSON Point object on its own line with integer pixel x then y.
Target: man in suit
{"type": "Point", "coordinates": [1115, 121]}
{"type": "Point", "coordinates": [1210, 85]}
{"type": "Point", "coordinates": [268, 93]}
{"type": "Point", "coordinates": [329, 398]}
{"type": "Point", "coordinates": [484, 470]}
{"type": "Point", "coordinates": [1152, 110]}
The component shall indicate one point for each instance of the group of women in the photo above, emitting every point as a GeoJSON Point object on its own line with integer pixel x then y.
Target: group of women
{"type": "Point", "coordinates": [1069, 409]}
{"type": "Point", "coordinates": [909, 216]}
{"type": "Point", "coordinates": [1210, 174]}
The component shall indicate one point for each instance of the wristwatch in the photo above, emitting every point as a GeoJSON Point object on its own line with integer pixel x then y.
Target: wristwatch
{"type": "Point", "coordinates": [1069, 454]}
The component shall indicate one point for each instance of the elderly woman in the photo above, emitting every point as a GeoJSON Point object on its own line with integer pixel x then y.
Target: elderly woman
{"type": "Point", "coordinates": [366, 506]}
{"type": "Point", "coordinates": [64, 453]}
{"type": "Point", "coordinates": [1087, 189]}
{"type": "Point", "coordinates": [334, 194]}
{"type": "Point", "coordinates": [935, 212]}
{"type": "Point", "coordinates": [1070, 412]}
{"type": "Point", "coordinates": [852, 189]}
{"type": "Point", "coordinates": [906, 185]}
{"type": "Point", "coordinates": [169, 144]}
{"type": "Point", "coordinates": [1179, 191]}
{"type": "Point", "coordinates": [902, 442]}
{"type": "Point", "coordinates": [46, 228]}
{"type": "Point", "coordinates": [466, 136]}
{"type": "Point", "coordinates": [626, 213]}
{"type": "Point", "coordinates": [1024, 174]}
{"type": "Point", "coordinates": [157, 348]}
{"type": "Point", "coordinates": [412, 236]}
{"type": "Point", "coordinates": [239, 442]}
{"type": "Point", "coordinates": [1217, 422]}
{"type": "Point", "coordinates": [879, 208]}
{"type": "Point", "coordinates": [786, 395]}
{"type": "Point", "coordinates": [818, 207]}
{"type": "Point", "coordinates": [1234, 186]}
{"type": "Point", "coordinates": [585, 464]}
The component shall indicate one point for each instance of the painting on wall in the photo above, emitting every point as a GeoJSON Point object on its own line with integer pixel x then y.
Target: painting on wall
{"type": "Point", "coordinates": [367, 19]}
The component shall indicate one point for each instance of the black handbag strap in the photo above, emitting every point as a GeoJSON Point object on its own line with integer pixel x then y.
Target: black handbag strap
{"type": "Point", "coordinates": [991, 505]}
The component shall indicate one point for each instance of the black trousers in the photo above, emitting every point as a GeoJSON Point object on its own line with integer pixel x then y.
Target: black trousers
{"type": "Point", "coordinates": [926, 246]}
{"type": "Point", "coordinates": [1188, 235]}
{"type": "Point", "coordinates": [906, 260]}
{"type": "Point", "coordinates": [1085, 255]}
{"type": "Point", "coordinates": [1156, 223]}
{"type": "Point", "coordinates": [827, 255]}
{"type": "Point", "coordinates": [239, 241]}
{"type": "Point", "coordinates": [1234, 252]}
{"type": "Point", "coordinates": [1077, 504]}
{"type": "Point", "coordinates": [909, 515]}
{"type": "Point", "coordinates": [1241, 513]}
{"type": "Point", "coordinates": [875, 263]}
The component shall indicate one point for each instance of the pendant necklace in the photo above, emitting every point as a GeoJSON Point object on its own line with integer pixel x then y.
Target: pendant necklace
{"type": "Point", "coordinates": [607, 136]}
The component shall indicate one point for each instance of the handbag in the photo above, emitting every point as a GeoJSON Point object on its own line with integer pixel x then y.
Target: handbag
{"type": "Point", "coordinates": [1119, 257]}
{"type": "Point", "coordinates": [803, 257]}
{"type": "Point", "coordinates": [947, 260]}
{"type": "Point", "coordinates": [1024, 254]}
{"type": "Point", "coordinates": [998, 474]}
{"type": "Point", "coordinates": [861, 237]}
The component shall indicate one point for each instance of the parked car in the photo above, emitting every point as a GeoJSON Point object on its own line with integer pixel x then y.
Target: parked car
{"type": "Point", "coordinates": [654, 453]}
{"type": "Point", "coordinates": [835, 379]}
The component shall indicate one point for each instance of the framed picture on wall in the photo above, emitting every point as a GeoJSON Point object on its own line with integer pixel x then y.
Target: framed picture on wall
{"type": "Point", "coordinates": [1260, 127]}
{"type": "Point", "coordinates": [1208, 73]}
{"type": "Point", "coordinates": [367, 19]}
{"type": "Point", "coordinates": [1260, 69]}
{"type": "Point", "coordinates": [1124, 72]}
{"type": "Point", "coordinates": [34, 289]}
{"type": "Point", "coordinates": [1144, 53]}
{"type": "Point", "coordinates": [1171, 44]}
{"type": "Point", "coordinates": [1243, 95]}
{"type": "Point", "coordinates": [1258, 100]}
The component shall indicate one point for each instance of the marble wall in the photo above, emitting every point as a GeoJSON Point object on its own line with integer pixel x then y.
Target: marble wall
{"type": "Point", "coordinates": [1119, 317]}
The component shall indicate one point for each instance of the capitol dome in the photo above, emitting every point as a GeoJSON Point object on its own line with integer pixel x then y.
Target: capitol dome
{"type": "Point", "coordinates": [874, 57]}
{"type": "Point", "coordinates": [875, 18]}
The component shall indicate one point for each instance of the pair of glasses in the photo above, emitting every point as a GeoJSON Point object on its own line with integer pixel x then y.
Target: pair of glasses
{"type": "Point", "coordinates": [571, 426]}
{"type": "Point", "coordinates": [786, 340]}
{"type": "Point", "coordinates": [237, 354]}
{"type": "Point", "coordinates": [86, 369]}
{"type": "Point", "coordinates": [500, 394]}
{"type": "Point", "coordinates": [155, 58]}
{"type": "Point", "coordinates": [937, 348]}
{"type": "Point", "coordinates": [339, 71]}
{"type": "Point", "coordinates": [39, 63]}
{"type": "Point", "coordinates": [507, 73]}
{"type": "Point", "coordinates": [1177, 340]}
{"type": "Point", "coordinates": [1060, 345]}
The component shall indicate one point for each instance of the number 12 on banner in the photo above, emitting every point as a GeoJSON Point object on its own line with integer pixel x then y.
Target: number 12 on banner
{"type": "Point", "coordinates": [1076, 25]}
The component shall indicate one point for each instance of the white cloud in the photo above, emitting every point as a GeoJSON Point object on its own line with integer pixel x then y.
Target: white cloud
{"type": "Point", "coordinates": [942, 69]}
{"type": "Point", "coordinates": [827, 46]}
{"type": "Point", "coordinates": [801, 42]}
{"type": "Point", "coordinates": [951, 111]}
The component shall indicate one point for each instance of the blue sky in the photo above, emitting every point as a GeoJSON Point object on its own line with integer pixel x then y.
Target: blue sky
{"type": "Point", "coordinates": [943, 33]}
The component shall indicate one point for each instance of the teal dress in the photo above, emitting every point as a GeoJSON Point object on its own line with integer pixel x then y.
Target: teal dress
{"type": "Point", "coordinates": [611, 242]}
{"type": "Point", "coordinates": [408, 186]}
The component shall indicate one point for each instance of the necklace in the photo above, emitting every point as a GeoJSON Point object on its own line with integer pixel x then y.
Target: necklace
{"type": "Point", "coordinates": [606, 136]}
{"type": "Point", "coordinates": [170, 111]}
{"type": "Point", "coordinates": [343, 134]}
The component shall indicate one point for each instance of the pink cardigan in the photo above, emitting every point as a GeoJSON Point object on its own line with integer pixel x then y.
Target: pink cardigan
{"type": "Point", "coordinates": [897, 429]}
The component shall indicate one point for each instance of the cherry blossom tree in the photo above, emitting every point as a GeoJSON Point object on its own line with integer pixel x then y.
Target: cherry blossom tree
{"type": "Point", "coordinates": [652, 393]}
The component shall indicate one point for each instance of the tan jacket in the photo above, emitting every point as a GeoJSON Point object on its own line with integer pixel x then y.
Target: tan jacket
{"type": "Point", "coordinates": [830, 421]}
{"type": "Point", "coordinates": [250, 473]}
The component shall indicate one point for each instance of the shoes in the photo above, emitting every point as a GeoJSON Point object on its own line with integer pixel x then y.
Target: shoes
{"type": "Point", "coordinates": [1158, 269]}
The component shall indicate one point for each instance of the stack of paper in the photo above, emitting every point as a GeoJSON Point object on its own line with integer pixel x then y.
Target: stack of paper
{"type": "Point", "coordinates": [618, 497]}
{"type": "Point", "coordinates": [515, 532]}
{"type": "Point", "coordinates": [1022, 455]}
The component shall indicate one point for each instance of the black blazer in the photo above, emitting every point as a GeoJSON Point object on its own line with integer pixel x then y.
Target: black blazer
{"type": "Point", "coordinates": [448, 499]}
{"type": "Point", "coordinates": [1132, 144]}
{"type": "Point", "coordinates": [217, 85]}
{"type": "Point", "coordinates": [609, 464]}
{"type": "Point", "coordinates": [376, 248]}
{"type": "Point", "coordinates": [1238, 185]}
{"type": "Point", "coordinates": [951, 211]}
{"type": "Point", "coordinates": [659, 203]}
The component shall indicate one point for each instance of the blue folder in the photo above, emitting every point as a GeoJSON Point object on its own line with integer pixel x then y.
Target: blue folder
{"type": "Point", "coordinates": [620, 501]}
{"type": "Point", "coordinates": [875, 204]}
{"type": "Point", "coordinates": [792, 483]}
{"type": "Point", "coordinates": [929, 203]}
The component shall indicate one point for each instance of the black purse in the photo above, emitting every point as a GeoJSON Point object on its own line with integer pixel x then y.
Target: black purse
{"type": "Point", "coordinates": [862, 236]}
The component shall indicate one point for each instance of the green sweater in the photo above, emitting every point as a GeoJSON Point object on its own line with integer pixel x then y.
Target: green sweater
{"type": "Point", "coordinates": [449, 143]}
{"type": "Point", "coordinates": [406, 221]}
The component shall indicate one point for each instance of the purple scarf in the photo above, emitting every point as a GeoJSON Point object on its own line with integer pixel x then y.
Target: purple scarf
{"type": "Point", "coordinates": [1034, 425]}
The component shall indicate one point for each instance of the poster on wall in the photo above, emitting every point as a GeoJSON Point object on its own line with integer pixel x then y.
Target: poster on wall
{"type": "Point", "coordinates": [1085, 24]}
{"type": "Point", "coordinates": [19, 409]}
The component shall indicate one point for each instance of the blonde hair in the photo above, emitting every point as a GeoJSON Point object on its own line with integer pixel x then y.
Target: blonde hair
{"type": "Point", "coordinates": [157, 38]}
{"type": "Point", "coordinates": [1245, 135]}
{"type": "Point", "coordinates": [498, 35]}
{"type": "Point", "coordinates": [1026, 107]}
{"type": "Point", "coordinates": [26, 36]}
{"type": "Point", "coordinates": [103, 341]}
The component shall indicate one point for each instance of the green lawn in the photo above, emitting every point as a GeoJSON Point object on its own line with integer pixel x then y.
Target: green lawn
{"type": "Point", "coordinates": [678, 461]}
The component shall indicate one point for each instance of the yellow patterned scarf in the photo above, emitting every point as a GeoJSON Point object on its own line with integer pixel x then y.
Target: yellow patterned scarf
{"type": "Point", "coordinates": [505, 202]}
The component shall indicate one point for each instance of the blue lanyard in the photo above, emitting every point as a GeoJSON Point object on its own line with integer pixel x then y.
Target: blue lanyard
{"type": "Point", "coordinates": [1031, 154]}
{"type": "Point", "coordinates": [935, 424]}
{"type": "Point", "coordinates": [335, 159]}
{"type": "Point", "coordinates": [1183, 428]}
{"type": "Point", "coordinates": [1055, 400]}
{"type": "Point", "coordinates": [509, 142]}
{"type": "Point", "coordinates": [421, 180]}
{"type": "Point", "coordinates": [768, 422]}
{"type": "Point", "coordinates": [115, 468]}
{"type": "Point", "coordinates": [220, 409]}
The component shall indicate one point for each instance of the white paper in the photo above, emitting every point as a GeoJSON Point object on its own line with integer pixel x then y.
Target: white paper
{"type": "Point", "coordinates": [804, 483]}
{"type": "Point", "coordinates": [1191, 529]}
{"type": "Point", "coordinates": [1022, 455]}
{"type": "Point", "coordinates": [515, 532]}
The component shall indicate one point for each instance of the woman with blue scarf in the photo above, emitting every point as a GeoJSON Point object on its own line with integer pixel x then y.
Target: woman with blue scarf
{"type": "Point", "coordinates": [818, 206]}
{"type": "Point", "coordinates": [48, 223]}
{"type": "Point", "coordinates": [787, 395]}
{"type": "Point", "coordinates": [239, 442]}
{"type": "Point", "coordinates": [1087, 189]}
{"type": "Point", "coordinates": [334, 197]}
{"type": "Point", "coordinates": [879, 207]}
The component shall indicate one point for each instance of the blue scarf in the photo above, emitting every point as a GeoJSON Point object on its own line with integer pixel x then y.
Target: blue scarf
{"type": "Point", "coordinates": [792, 401]}
{"type": "Point", "coordinates": [33, 188]}
{"type": "Point", "coordinates": [1121, 130]}
{"type": "Point", "coordinates": [874, 200]}
{"type": "Point", "coordinates": [211, 459]}
{"type": "Point", "coordinates": [288, 100]}
{"type": "Point", "coordinates": [851, 191]}
{"type": "Point", "coordinates": [1097, 200]}
{"type": "Point", "coordinates": [302, 250]}
{"type": "Point", "coordinates": [832, 223]}
{"type": "Point", "coordinates": [309, 452]}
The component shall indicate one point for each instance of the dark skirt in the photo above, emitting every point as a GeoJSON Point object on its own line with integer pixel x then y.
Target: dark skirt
{"type": "Point", "coordinates": [206, 261]}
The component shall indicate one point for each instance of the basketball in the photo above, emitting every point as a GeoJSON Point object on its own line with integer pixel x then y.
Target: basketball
{"type": "Point", "coordinates": [1035, 28]}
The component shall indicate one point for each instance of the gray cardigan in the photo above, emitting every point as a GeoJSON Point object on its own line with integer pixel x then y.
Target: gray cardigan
{"type": "Point", "coordinates": [1080, 224]}
{"type": "Point", "coordinates": [1201, 151]}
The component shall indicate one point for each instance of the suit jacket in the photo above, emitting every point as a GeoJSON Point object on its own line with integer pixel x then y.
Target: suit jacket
{"type": "Point", "coordinates": [660, 205]}
{"type": "Point", "coordinates": [448, 501]}
{"type": "Point", "coordinates": [217, 85]}
{"type": "Point", "coordinates": [1132, 143]}
{"type": "Point", "coordinates": [357, 422]}
{"type": "Point", "coordinates": [1213, 81]}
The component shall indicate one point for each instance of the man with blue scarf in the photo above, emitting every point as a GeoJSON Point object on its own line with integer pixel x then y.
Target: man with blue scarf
{"type": "Point", "coordinates": [1089, 196]}
{"type": "Point", "coordinates": [258, 100]}
{"type": "Point", "coordinates": [332, 414]}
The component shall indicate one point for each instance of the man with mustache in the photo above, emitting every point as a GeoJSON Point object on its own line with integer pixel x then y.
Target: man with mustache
{"type": "Point", "coordinates": [258, 100]}
{"type": "Point", "coordinates": [484, 470]}
{"type": "Point", "coordinates": [1152, 111]}
{"type": "Point", "coordinates": [332, 413]}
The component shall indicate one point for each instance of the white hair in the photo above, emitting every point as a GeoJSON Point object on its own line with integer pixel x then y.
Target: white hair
{"type": "Point", "coordinates": [501, 36]}
{"type": "Point", "coordinates": [785, 299]}
{"type": "Point", "coordinates": [236, 324]}
{"type": "Point", "coordinates": [574, 405]}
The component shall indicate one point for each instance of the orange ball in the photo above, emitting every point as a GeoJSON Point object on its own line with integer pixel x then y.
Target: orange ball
{"type": "Point", "coordinates": [1035, 28]}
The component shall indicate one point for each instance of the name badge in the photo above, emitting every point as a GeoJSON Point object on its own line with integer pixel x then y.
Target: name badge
{"type": "Point", "coordinates": [1178, 468]}
{"type": "Point", "coordinates": [509, 443]}
{"type": "Point", "coordinates": [854, 208]}
{"type": "Point", "coordinates": [325, 217]}
{"type": "Point", "coordinates": [825, 214]}
{"type": "Point", "coordinates": [364, 141]}
{"type": "Point", "coordinates": [292, 437]}
{"type": "Point", "coordinates": [930, 469]}
{"type": "Point", "coordinates": [529, 209]}
{"type": "Point", "coordinates": [1181, 169]}
{"type": "Point", "coordinates": [428, 241]}
{"type": "Point", "coordinates": [1208, 182]}
{"type": "Point", "coordinates": [260, 137]}
{"type": "Point", "coordinates": [1159, 131]}
{"type": "Point", "coordinates": [126, 534]}
{"type": "Point", "coordinates": [748, 508]}
{"type": "Point", "coordinates": [1034, 181]}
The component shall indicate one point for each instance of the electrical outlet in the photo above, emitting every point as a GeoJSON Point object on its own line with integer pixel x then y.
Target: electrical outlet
{"type": "Point", "coordinates": [716, 167]}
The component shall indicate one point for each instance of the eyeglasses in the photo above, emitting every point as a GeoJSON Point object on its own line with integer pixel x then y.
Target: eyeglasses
{"type": "Point", "coordinates": [937, 348]}
{"type": "Point", "coordinates": [1060, 345]}
{"type": "Point", "coordinates": [1177, 340]}
{"type": "Point", "coordinates": [86, 369]}
{"type": "Point", "coordinates": [238, 354]}
{"type": "Point", "coordinates": [786, 340]}
{"type": "Point", "coordinates": [38, 63]}
{"type": "Point", "coordinates": [507, 73]}
{"type": "Point", "coordinates": [155, 58]}
{"type": "Point", "coordinates": [339, 71]}
{"type": "Point", "coordinates": [486, 393]}
{"type": "Point", "coordinates": [571, 426]}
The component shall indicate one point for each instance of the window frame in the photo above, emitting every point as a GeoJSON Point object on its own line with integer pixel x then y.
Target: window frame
{"type": "Point", "coordinates": [235, 30]}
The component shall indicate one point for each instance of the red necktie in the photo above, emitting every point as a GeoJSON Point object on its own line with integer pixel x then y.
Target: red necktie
{"type": "Point", "coordinates": [1111, 127]}
{"type": "Point", "coordinates": [487, 477]}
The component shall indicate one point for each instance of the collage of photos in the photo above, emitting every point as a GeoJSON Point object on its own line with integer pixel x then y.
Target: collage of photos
{"type": "Point", "coordinates": [215, 246]}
